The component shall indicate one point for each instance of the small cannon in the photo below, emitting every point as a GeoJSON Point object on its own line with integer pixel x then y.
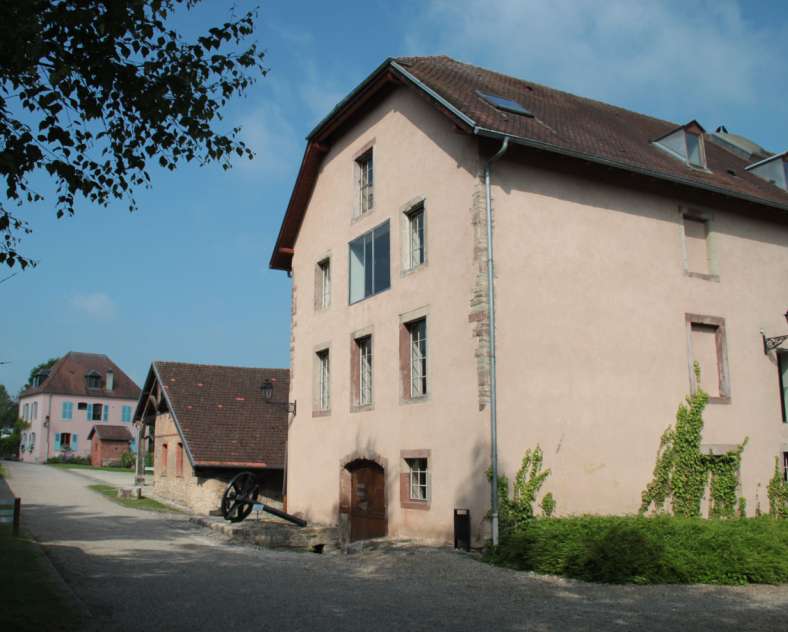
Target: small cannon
{"type": "Point", "coordinates": [240, 499]}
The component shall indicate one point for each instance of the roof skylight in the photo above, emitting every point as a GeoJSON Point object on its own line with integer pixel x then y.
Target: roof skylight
{"type": "Point", "coordinates": [502, 103]}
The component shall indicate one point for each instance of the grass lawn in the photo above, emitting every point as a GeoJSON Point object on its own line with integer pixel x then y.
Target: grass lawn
{"type": "Point", "coordinates": [148, 504]}
{"type": "Point", "coordinates": [31, 598]}
{"type": "Point", "coordinates": [81, 466]}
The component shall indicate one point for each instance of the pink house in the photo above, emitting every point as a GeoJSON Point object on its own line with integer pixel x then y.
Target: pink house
{"type": "Point", "coordinates": [63, 405]}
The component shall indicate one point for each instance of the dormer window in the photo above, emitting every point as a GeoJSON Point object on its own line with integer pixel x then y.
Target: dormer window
{"type": "Point", "coordinates": [93, 380]}
{"type": "Point", "coordinates": [685, 143]}
{"type": "Point", "coordinates": [38, 378]}
{"type": "Point", "coordinates": [774, 169]}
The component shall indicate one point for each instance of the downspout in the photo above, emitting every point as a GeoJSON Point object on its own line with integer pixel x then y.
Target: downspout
{"type": "Point", "coordinates": [49, 427]}
{"type": "Point", "coordinates": [491, 341]}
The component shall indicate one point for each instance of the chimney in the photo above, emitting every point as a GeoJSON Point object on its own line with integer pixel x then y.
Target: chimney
{"type": "Point", "coordinates": [110, 383]}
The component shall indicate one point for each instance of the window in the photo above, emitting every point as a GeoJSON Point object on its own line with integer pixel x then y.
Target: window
{"type": "Point", "coordinates": [68, 410]}
{"type": "Point", "coordinates": [361, 356]}
{"type": "Point", "coordinates": [694, 156]}
{"type": "Point", "coordinates": [82, 406]}
{"type": "Point", "coordinates": [417, 332]}
{"type": "Point", "coordinates": [65, 441]}
{"type": "Point", "coordinates": [502, 103]}
{"type": "Point", "coordinates": [32, 438]}
{"type": "Point", "coordinates": [785, 466]}
{"type": "Point", "coordinates": [93, 412]}
{"type": "Point", "coordinates": [179, 461]}
{"type": "Point", "coordinates": [365, 174]}
{"type": "Point", "coordinates": [419, 488]}
{"type": "Point", "coordinates": [323, 284]}
{"type": "Point", "coordinates": [685, 143]}
{"type": "Point", "coordinates": [416, 244]}
{"type": "Point", "coordinates": [696, 234]}
{"type": "Point", "coordinates": [93, 380]}
{"type": "Point", "coordinates": [163, 462]}
{"type": "Point", "coordinates": [369, 263]}
{"type": "Point", "coordinates": [708, 347]}
{"type": "Point", "coordinates": [26, 412]}
{"type": "Point", "coordinates": [415, 483]}
{"type": "Point", "coordinates": [323, 382]}
{"type": "Point", "coordinates": [34, 410]}
{"type": "Point", "coordinates": [125, 414]}
{"type": "Point", "coordinates": [782, 364]}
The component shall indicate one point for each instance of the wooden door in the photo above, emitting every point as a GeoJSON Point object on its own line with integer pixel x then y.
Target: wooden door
{"type": "Point", "coordinates": [367, 501]}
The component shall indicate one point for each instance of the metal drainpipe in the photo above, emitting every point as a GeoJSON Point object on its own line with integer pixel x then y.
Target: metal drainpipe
{"type": "Point", "coordinates": [491, 303]}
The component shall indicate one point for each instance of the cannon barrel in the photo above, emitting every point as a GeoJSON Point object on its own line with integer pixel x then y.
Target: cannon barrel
{"type": "Point", "coordinates": [284, 515]}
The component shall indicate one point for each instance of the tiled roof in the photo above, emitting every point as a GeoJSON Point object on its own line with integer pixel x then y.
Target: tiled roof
{"type": "Point", "coordinates": [222, 414]}
{"type": "Point", "coordinates": [562, 124]}
{"type": "Point", "coordinates": [110, 433]}
{"type": "Point", "coordinates": [67, 377]}
{"type": "Point", "coordinates": [582, 126]}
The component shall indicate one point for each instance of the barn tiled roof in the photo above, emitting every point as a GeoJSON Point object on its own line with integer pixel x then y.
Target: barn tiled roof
{"type": "Point", "coordinates": [222, 415]}
{"type": "Point", "coordinates": [67, 377]}
{"type": "Point", "coordinates": [110, 433]}
{"type": "Point", "coordinates": [562, 124]}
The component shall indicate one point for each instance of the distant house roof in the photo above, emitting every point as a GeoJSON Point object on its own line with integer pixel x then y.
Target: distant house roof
{"type": "Point", "coordinates": [67, 377]}
{"type": "Point", "coordinates": [110, 433]}
{"type": "Point", "coordinates": [556, 122]}
{"type": "Point", "coordinates": [221, 413]}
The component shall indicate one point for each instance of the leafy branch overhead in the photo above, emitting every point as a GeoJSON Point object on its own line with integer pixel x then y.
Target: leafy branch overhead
{"type": "Point", "coordinates": [93, 92]}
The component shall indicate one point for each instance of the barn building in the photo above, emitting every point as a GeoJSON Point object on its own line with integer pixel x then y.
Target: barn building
{"type": "Point", "coordinates": [206, 423]}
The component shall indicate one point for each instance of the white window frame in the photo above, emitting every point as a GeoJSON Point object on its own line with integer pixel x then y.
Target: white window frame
{"type": "Point", "coordinates": [418, 479]}
{"type": "Point", "coordinates": [416, 237]}
{"type": "Point", "coordinates": [324, 283]}
{"type": "Point", "coordinates": [365, 169]}
{"type": "Point", "coordinates": [323, 400]}
{"type": "Point", "coordinates": [365, 373]}
{"type": "Point", "coordinates": [417, 334]}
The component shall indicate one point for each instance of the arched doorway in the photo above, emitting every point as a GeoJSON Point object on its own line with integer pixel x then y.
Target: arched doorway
{"type": "Point", "coordinates": [367, 500]}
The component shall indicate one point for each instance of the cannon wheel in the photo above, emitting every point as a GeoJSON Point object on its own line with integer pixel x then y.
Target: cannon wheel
{"type": "Point", "coordinates": [239, 497]}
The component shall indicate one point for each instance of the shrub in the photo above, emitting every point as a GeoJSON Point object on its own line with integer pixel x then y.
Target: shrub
{"type": "Point", "coordinates": [69, 458]}
{"type": "Point", "coordinates": [128, 459]}
{"type": "Point", "coordinates": [654, 550]}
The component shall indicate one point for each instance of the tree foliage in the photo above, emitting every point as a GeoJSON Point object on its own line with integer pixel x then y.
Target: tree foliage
{"type": "Point", "coordinates": [8, 409]}
{"type": "Point", "coordinates": [93, 92]}
{"type": "Point", "coordinates": [38, 368]}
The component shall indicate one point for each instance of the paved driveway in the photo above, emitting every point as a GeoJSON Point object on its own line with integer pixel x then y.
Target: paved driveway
{"type": "Point", "coordinates": [143, 571]}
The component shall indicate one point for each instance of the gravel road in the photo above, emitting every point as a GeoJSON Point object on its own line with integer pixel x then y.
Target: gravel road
{"type": "Point", "coordinates": [144, 571]}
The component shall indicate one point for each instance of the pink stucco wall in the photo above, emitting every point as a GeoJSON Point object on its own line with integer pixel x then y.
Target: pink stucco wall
{"type": "Point", "coordinates": [592, 341]}
{"type": "Point", "coordinates": [52, 406]}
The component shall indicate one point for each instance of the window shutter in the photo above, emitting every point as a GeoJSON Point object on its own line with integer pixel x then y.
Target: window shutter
{"type": "Point", "coordinates": [106, 412]}
{"type": "Point", "coordinates": [88, 410]}
{"type": "Point", "coordinates": [65, 410]}
{"type": "Point", "coordinates": [57, 441]}
{"type": "Point", "coordinates": [73, 441]}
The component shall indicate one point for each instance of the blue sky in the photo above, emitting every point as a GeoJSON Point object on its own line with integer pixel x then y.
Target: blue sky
{"type": "Point", "coordinates": [186, 277]}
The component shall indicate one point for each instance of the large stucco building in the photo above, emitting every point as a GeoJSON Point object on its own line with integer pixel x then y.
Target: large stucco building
{"type": "Point", "coordinates": [625, 249]}
{"type": "Point", "coordinates": [65, 402]}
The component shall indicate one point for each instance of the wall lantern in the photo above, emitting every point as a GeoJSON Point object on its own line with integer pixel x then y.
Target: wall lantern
{"type": "Point", "coordinates": [268, 393]}
{"type": "Point", "coordinates": [772, 343]}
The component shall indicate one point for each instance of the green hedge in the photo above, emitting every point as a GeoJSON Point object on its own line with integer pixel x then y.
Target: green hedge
{"type": "Point", "coordinates": [659, 550]}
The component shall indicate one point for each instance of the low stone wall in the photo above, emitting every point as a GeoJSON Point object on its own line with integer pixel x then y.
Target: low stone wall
{"type": "Point", "coordinates": [275, 534]}
{"type": "Point", "coordinates": [203, 494]}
